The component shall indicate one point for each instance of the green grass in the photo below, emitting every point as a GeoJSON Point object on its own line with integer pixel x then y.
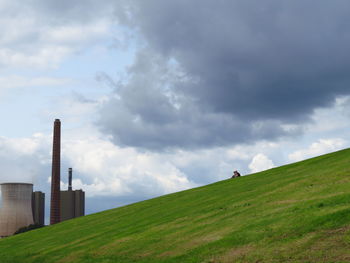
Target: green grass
{"type": "Point", "coordinates": [294, 213]}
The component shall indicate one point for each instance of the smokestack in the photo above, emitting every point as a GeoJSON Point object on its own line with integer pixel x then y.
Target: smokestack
{"type": "Point", "coordinates": [55, 216]}
{"type": "Point", "coordinates": [70, 171]}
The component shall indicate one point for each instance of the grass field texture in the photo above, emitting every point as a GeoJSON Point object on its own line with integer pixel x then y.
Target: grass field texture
{"type": "Point", "coordinates": [294, 213]}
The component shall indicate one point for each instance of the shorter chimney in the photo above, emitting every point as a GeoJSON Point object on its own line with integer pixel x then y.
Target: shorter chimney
{"type": "Point", "coordinates": [70, 171]}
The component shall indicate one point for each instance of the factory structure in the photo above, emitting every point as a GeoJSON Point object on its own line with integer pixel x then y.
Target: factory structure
{"type": "Point", "coordinates": [38, 208]}
{"type": "Point", "coordinates": [22, 207]}
{"type": "Point", "coordinates": [72, 202]}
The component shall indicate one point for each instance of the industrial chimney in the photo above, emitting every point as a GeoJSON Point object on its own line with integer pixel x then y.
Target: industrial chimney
{"type": "Point", "coordinates": [16, 210]}
{"type": "Point", "coordinates": [55, 216]}
{"type": "Point", "coordinates": [70, 171]}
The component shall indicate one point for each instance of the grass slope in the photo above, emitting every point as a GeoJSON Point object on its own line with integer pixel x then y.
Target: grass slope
{"type": "Point", "coordinates": [294, 213]}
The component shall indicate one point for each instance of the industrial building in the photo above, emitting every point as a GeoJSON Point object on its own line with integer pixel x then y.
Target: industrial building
{"type": "Point", "coordinates": [38, 208]}
{"type": "Point", "coordinates": [72, 201]}
{"type": "Point", "coordinates": [16, 210]}
{"type": "Point", "coordinates": [22, 207]}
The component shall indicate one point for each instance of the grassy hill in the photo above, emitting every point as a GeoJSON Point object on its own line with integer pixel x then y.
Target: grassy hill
{"type": "Point", "coordinates": [294, 213]}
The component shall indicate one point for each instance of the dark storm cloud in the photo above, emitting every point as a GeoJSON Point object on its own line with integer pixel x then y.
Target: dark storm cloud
{"type": "Point", "coordinates": [241, 70]}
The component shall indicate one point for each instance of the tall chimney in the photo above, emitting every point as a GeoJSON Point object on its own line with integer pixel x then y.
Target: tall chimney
{"type": "Point", "coordinates": [70, 171]}
{"type": "Point", "coordinates": [55, 216]}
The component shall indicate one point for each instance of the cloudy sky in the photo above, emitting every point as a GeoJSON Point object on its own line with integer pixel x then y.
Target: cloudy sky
{"type": "Point", "coordinates": [159, 96]}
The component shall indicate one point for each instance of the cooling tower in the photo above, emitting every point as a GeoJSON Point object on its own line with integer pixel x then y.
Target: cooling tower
{"type": "Point", "coordinates": [55, 216]}
{"type": "Point", "coordinates": [16, 210]}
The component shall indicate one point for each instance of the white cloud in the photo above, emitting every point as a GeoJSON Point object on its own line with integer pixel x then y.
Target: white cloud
{"type": "Point", "coordinates": [42, 37]}
{"type": "Point", "coordinates": [320, 147]}
{"type": "Point", "coordinates": [260, 162]}
{"type": "Point", "coordinates": [16, 81]}
{"type": "Point", "coordinates": [108, 170]}
{"type": "Point", "coordinates": [20, 146]}
{"type": "Point", "coordinates": [46, 56]}
{"type": "Point", "coordinates": [247, 152]}
{"type": "Point", "coordinates": [72, 34]}
{"type": "Point", "coordinates": [23, 159]}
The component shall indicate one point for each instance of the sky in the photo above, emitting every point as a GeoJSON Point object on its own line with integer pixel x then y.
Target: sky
{"type": "Point", "coordinates": [161, 96]}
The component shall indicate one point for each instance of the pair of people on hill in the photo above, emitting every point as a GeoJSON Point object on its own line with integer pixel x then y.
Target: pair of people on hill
{"type": "Point", "coordinates": [236, 174]}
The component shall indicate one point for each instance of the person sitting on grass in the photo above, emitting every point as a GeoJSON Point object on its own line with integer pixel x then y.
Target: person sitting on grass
{"type": "Point", "coordinates": [236, 174]}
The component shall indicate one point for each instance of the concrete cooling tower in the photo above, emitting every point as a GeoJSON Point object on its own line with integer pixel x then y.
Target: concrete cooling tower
{"type": "Point", "coordinates": [16, 210]}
